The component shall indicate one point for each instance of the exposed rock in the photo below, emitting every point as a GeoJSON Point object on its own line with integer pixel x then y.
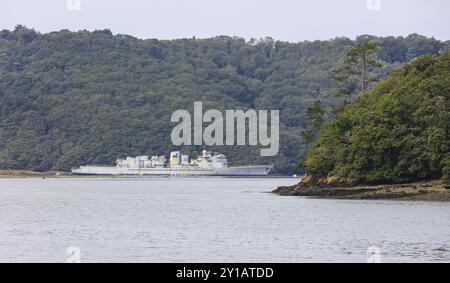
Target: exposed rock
{"type": "Point", "coordinates": [430, 191]}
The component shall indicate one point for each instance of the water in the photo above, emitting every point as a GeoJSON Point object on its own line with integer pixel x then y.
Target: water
{"type": "Point", "coordinates": [210, 220]}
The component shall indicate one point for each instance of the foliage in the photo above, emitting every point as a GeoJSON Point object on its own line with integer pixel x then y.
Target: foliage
{"type": "Point", "coordinates": [71, 98]}
{"type": "Point", "coordinates": [354, 75]}
{"type": "Point", "coordinates": [397, 131]}
{"type": "Point", "coordinates": [316, 118]}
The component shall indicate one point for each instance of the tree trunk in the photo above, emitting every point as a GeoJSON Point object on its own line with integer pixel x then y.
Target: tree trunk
{"type": "Point", "coordinates": [363, 78]}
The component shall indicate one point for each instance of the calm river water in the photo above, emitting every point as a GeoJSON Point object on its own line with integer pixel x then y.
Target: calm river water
{"type": "Point", "coordinates": [209, 220]}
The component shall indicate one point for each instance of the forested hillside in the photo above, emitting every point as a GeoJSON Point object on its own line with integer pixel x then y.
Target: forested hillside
{"type": "Point", "coordinates": [396, 132]}
{"type": "Point", "coordinates": [70, 98]}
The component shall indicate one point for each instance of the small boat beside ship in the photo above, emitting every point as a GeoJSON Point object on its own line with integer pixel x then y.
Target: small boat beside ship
{"type": "Point", "coordinates": [207, 164]}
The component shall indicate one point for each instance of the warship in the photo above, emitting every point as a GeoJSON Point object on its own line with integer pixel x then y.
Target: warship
{"type": "Point", "coordinates": [207, 164]}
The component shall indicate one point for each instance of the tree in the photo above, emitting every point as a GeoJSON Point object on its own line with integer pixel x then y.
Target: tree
{"type": "Point", "coordinates": [316, 119]}
{"type": "Point", "coordinates": [355, 75]}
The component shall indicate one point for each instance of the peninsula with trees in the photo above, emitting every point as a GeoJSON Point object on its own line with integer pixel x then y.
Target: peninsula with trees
{"type": "Point", "coordinates": [392, 142]}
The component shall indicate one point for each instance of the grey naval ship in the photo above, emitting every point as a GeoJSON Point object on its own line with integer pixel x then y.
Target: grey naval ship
{"type": "Point", "coordinates": [207, 164]}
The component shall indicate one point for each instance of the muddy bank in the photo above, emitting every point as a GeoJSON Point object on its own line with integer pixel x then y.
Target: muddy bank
{"type": "Point", "coordinates": [424, 191]}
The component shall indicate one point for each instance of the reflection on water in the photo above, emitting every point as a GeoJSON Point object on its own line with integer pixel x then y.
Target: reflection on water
{"type": "Point", "coordinates": [209, 220]}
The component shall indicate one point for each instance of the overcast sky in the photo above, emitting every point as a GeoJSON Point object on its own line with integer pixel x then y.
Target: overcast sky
{"type": "Point", "coordinates": [291, 20]}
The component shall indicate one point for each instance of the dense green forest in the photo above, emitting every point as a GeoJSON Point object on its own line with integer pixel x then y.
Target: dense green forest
{"type": "Point", "coordinates": [398, 131]}
{"type": "Point", "coordinates": [70, 98]}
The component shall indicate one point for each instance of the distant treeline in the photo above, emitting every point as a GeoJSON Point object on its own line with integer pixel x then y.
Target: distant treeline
{"type": "Point", "coordinates": [71, 98]}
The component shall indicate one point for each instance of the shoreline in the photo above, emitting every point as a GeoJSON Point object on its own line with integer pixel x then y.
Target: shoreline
{"type": "Point", "coordinates": [31, 174]}
{"type": "Point", "coordinates": [18, 174]}
{"type": "Point", "coordinates": [419, 191]}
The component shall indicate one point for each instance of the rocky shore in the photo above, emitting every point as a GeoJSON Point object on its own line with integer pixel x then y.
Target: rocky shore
{"type": "Point", "coordinates": [423, 191]}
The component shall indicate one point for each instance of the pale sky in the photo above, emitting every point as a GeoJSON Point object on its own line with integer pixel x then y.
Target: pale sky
{"type": "Point", "coordinates": [290, 20]}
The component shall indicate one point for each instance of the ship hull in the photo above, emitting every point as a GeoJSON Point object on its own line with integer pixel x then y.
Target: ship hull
{"type": "Point", "coordinates": [123, 171]}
